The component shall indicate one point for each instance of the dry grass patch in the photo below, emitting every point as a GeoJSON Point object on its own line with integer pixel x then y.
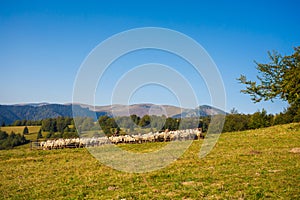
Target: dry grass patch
{"type": "Point", "coordinates": [295, 150]}
{"type": "Point", "coordinates": [19, 129]}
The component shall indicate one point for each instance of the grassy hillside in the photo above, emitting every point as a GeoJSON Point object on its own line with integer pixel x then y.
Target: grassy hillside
{"type": "Point", "coordinates": [243, 165]}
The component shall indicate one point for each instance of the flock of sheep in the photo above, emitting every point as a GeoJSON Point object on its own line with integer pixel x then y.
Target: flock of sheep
{"type": "Point", "coordinates": [188, 134]}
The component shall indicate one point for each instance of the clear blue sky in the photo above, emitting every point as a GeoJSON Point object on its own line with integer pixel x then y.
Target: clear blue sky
{"type": "Point", "coordinates": [43, 43]}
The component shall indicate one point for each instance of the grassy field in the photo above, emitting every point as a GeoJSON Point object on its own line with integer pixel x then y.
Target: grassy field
{"type": "Point", "coordinates": [254, 164]}
{"type": "Point", "coordinates": [19, 129]}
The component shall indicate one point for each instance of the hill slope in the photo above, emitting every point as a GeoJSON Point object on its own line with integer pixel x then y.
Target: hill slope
{"type": "Point", "coordinates": [255, 164]}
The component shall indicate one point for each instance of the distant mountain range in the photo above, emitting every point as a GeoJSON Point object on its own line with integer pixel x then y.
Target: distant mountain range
{"type": "Point", "coordinates": [38, 111]}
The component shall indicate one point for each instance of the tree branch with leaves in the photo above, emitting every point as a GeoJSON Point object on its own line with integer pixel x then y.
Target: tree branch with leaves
{"type": "Point", "coordinates": [280, 78]}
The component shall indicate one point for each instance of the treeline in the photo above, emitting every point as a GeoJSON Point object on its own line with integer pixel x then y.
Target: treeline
{"type": "Point", "coordinates": [59, 127]}
{"type": "Point", "coordinates": [260, 119]}
{"type": "Point", "coordinates": [135, 124]}
{"type": "Point", "coordinates": [64, 127]}
{"type": "Point", "coordinates": [233, 121]}
{"type": "Point", "coordinates": [25, 122]}
{"type": "Point", "coordinates": [8, 141]}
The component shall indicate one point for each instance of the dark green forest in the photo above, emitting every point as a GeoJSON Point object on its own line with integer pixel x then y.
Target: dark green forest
{"type": "Point", "coordinates": [8, 141]}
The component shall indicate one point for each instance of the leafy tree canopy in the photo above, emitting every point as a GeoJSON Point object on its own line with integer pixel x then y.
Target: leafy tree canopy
{"type": "Point", "coordinates": [278, 79]}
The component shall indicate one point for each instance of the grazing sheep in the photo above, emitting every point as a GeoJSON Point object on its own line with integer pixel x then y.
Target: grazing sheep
{"type": "Point", "coordinates": [181, 135]}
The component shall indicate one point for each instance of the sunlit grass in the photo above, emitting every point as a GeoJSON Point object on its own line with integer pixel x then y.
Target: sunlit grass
{"type": "Point", "coordinates": [19, 129]}
{"type": "Point", "coordinates": [143, 148]}
{"type": "Point", "coordinates": [243, 165]}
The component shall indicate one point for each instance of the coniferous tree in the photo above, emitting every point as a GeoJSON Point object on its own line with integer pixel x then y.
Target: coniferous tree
{"type": "Point", "coordinates": [25, 130]}
{"type": "Point", "coordinates": [40, 135]}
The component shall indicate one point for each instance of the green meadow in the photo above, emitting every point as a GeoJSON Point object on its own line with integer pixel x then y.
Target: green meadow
{"type": "Point", "coordinates": [255, 164]}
